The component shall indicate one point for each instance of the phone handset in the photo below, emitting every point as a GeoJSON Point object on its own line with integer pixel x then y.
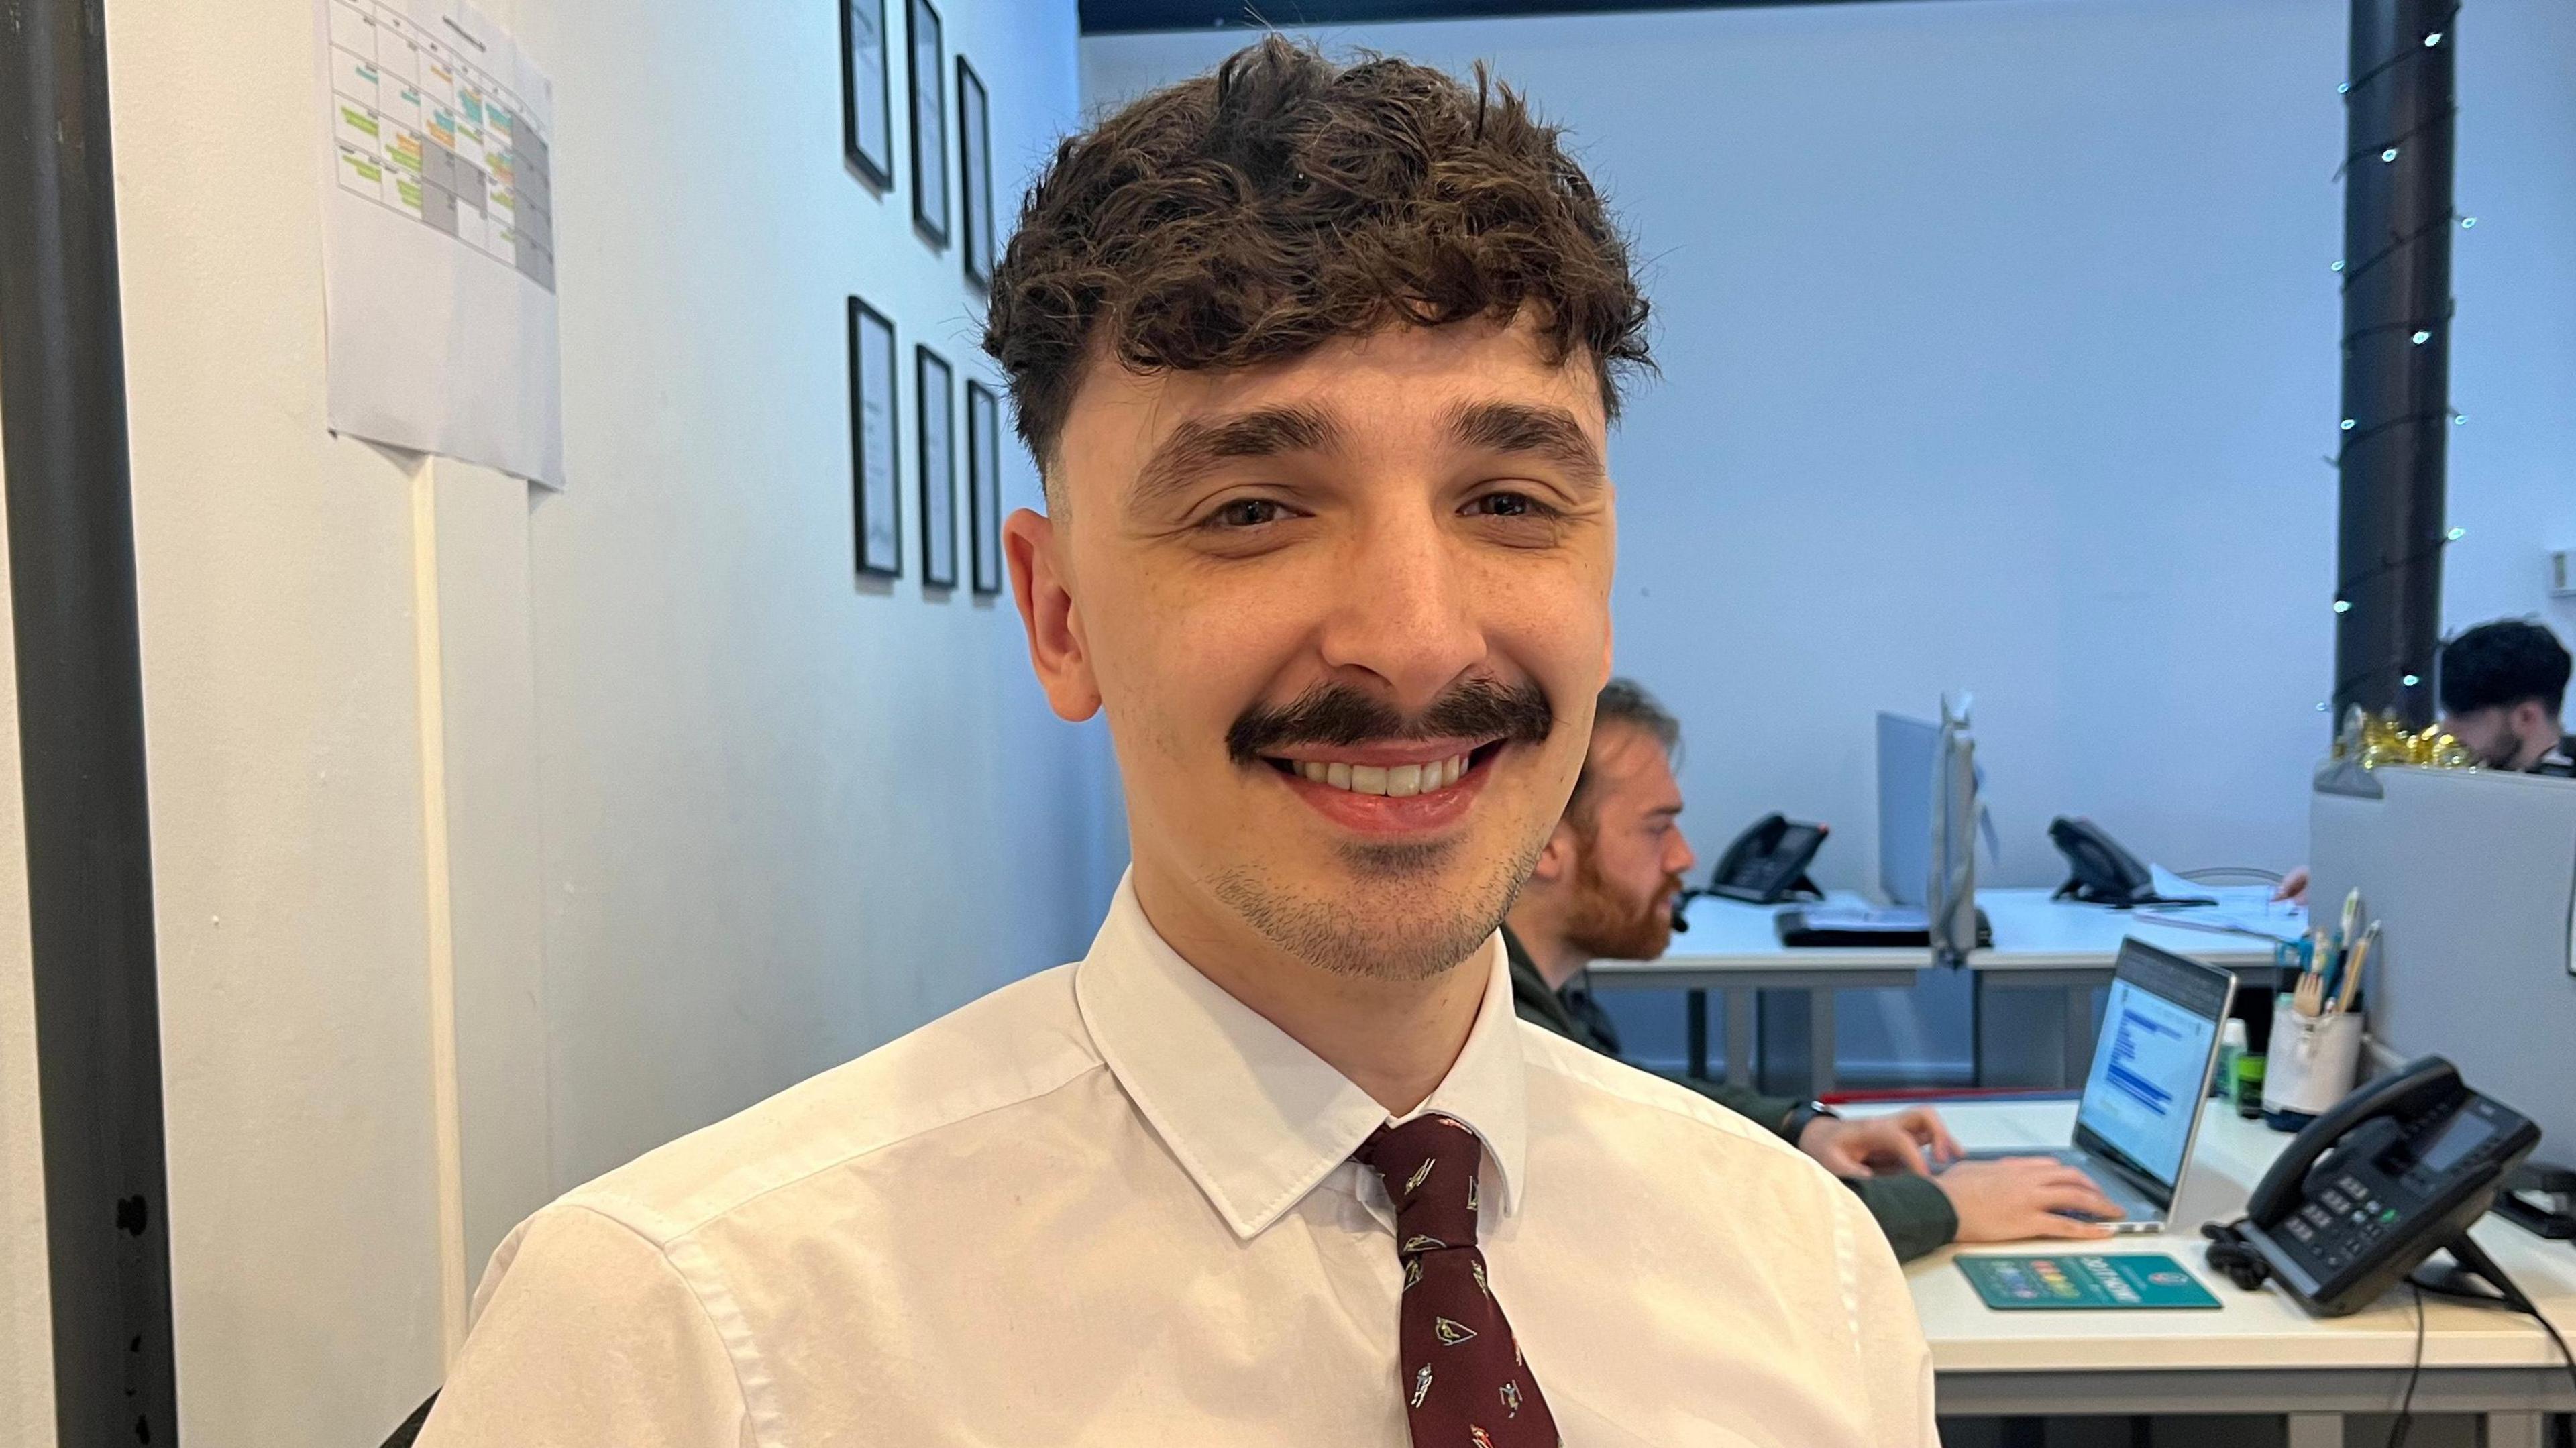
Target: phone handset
{"type": "Point", "coordinates": [1759, 838]}
{"type": "Point", "coordinates": [2360, 1125]}
{"type": "Point", "coordinates": [1768, 863]}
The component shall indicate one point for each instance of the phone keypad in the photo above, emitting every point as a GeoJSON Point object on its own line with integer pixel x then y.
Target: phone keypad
{"type": "Point", "coordinates": [2344, 1224]}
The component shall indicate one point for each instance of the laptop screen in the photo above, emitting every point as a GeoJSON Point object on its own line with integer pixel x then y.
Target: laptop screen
{"type": "Point", "coordinates": [2151, 1064]}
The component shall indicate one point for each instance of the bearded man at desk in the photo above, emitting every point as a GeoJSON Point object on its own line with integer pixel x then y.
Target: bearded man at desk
{"type": "Point", "coordinates": [1603, 889]}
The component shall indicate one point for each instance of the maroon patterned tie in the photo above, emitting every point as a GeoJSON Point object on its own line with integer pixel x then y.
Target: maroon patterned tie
{"type": "Point", "coordinates": [1465, 1385]}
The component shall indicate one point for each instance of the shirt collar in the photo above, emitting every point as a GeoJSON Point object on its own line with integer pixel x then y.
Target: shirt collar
{"type": "Point", "coordinates": [1256, 1119]}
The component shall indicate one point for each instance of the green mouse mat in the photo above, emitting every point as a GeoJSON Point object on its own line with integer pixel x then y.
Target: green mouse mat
{"type": "Point", "coordinates": [2085, 1279]}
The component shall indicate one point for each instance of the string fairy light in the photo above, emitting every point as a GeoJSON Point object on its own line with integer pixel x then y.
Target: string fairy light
{"type": "Point", "coordinates": [2355, 430]}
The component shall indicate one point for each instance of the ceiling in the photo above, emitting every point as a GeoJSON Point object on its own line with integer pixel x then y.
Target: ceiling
{"type": "Point", "coordinates": [1101, 17]}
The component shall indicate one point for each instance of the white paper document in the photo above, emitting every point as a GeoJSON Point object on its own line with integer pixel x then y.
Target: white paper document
{"type": "Point", "coordinates": [438, 256]}
{"type": "Point", "coordinates": [2239, 910]}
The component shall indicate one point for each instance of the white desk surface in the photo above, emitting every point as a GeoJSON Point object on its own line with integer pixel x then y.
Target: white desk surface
{"type": "Point", "coordinates": [2032, 933]}
{"type": "Point", "coordinates": [2251, 1329]}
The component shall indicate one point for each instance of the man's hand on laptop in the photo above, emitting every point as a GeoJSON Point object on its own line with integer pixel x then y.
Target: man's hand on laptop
{"type": "Point", "coordinates": [1880, 1145]}
{"type": "Point", "coordinates": [2020, 1197]}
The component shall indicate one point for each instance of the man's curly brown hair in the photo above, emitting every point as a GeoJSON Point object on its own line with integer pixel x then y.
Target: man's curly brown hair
{"type": "Point", "coordinates": [1255, 213]}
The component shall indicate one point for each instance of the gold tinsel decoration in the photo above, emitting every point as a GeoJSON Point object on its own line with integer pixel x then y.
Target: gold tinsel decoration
{"type": "Point", "coordinates": [2377, 739]}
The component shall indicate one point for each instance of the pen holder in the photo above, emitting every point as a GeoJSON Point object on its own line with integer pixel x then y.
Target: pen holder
{"type": "Point", "coordinates": [2313, 1061]}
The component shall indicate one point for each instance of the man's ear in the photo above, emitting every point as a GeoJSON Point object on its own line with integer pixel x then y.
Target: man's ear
{"type": "Point", "coordinates": [2530, 723]}
{"type": "Point", "coordinates": [1043, 588]}
{"type": "Point", "coordinates": [1556, 859]}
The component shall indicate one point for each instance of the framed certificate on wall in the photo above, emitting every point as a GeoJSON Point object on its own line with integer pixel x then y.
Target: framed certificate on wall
{"type": "Point", "coordinates": [984, 484]}
{"type": "Point", "coordinates": [929, 124]}
{"type": "Point", "coordinates": [876, 487]}
{"type": "Point", "coordinates": [932, 388]}
{"type": "Point", "coordinates": [867, 112]}
{"type": "Point", "coordinates": [975, 175]}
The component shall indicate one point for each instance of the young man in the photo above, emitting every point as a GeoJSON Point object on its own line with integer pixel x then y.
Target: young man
{"type": "Point", "coordinates": [2503, 685]}
{"type": "Point", "coordinates": [1318, 365]}
{"type": "Point", "coordinates": [1604, 888]}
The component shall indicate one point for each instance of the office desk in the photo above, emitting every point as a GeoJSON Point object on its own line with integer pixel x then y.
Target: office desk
{"type": "Point", "coordinates": [2259, 1353]}
{"type": "Point", "coordinates": [2040, 944]}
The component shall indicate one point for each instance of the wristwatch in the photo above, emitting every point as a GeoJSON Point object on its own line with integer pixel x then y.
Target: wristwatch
{"type": "Point", "coordinates": [1801, 1115]}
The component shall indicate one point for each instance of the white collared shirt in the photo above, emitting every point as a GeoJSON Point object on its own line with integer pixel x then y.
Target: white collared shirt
{"type": "Point", "coordinates": [1112, 1205]}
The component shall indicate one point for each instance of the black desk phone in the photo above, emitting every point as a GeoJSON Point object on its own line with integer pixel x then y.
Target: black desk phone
{"type": "Point", "coordinates": [1768, 862]}
{"type": "Point", "coordinates": [2101, 871]}
{"type": "Point", "coordinates": [2392, 1174]}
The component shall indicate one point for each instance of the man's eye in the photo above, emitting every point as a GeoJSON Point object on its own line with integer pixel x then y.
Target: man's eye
{"type": "Point", "coordinates": [1247, 513]}
{"type": "Point", "coordinates": [1507, 505]}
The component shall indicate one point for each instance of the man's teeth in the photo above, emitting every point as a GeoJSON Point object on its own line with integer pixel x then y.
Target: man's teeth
{"type": "Point", "coordinates": [1398, 780]}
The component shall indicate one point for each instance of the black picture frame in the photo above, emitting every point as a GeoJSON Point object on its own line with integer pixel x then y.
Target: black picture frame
{"type": "Point", "coordinates": [876, 448]}
{"type": "Point", "coordinates": [935, 403]}
{"type": "Point", "coordinates": [977, 244]}
{"type": "Point", "coordinates": [984, 485]}
{"type": "Point", "coordinates": [867, 102]}
{"type": "Point", "coordinates": [928, 51]}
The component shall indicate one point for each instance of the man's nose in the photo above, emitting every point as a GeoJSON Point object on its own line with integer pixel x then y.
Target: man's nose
{"type": "Point", "coordinates": [1403, 608]}
{"type": "Point", "coordinates": [1678, 858]}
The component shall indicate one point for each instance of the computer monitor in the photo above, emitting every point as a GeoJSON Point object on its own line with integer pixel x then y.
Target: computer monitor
{"type": "Point", "coordinates": [2152, 1064]}
{"type": "Point", "coordinates": [1906, 747]}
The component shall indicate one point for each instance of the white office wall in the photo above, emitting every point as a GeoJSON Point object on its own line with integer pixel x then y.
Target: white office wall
{"type": "Point", "coordinates": [1999, 352]}
{"type": "Point", "coordinates": [2513, 370]}
{"type": "Point", "coordinates": [26, 1292]}
{"type": "Point", "coordinates": [785, 817]}
{"type": "Point", "coordinates": [635, 779]}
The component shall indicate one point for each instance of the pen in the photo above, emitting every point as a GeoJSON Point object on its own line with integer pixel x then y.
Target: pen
{"type": "Point", "coordinates": [2352, 969]}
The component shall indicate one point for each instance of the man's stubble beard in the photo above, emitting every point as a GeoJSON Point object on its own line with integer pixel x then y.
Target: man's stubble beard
{"type": "Point", "coordinates": [1414, 939]}
{"type": "Point", "coordinates": [1605, 926]}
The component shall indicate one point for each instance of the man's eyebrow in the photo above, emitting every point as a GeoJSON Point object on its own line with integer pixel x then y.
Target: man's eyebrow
{"type": "Point", "coordinates": [1517, 427]}
{"type": "Point", "coordinates": [1199, 444]}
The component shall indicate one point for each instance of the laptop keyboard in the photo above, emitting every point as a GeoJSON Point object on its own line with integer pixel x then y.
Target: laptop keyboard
{"type": "Point", "coordinates": [2136, 1203]}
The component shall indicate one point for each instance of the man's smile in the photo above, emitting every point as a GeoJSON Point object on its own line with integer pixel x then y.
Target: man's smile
{"type": "Point", "coordinates": [1390, 788]}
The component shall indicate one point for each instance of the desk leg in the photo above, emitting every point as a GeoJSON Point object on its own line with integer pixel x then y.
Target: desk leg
{"type": "Point", "coordinates": [1699, 1035]}
{"type": "Point", "coordinates": [2079, 1035]}
{"type": "Point", "coordinates": [1976, 1028]}
{"type": "Point", "coordinates": [1820, 1040]}
{"type": "Point", "coordinates": [2515, 1430]}
{"type": "Point", "coordinates": [2316, 1430]}
{"type": "Point", "coordinates": [1739, 1036]}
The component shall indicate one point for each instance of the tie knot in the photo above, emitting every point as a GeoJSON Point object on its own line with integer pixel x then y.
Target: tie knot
{"type": "Point", "coordinates": [1429, 1167]}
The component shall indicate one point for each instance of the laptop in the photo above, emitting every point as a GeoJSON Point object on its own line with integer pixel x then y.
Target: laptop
{"type": "Point", "coordinates": [2151, 1073]}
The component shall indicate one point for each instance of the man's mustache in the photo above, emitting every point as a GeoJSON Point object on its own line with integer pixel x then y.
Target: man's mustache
{"type": "Point", "coordinates": [1341, 714]}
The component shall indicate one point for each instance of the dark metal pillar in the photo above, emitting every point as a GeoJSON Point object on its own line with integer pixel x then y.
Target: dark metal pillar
{"type": "Point", "coordinates": [80, 729]}
{"type": "Point", "coordinates": [2399, 107]}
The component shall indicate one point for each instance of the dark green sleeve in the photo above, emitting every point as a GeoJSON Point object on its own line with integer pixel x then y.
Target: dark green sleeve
{"type": "Point", "coordinates": [1913, 1212]}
